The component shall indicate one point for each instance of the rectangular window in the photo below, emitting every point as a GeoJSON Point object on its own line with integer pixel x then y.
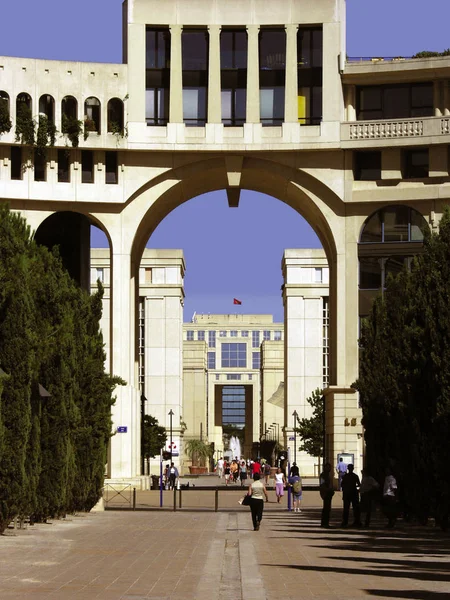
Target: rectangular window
{"type": "Point", "coordinates": [233, 64]}
{"type": "Point", "coordinates": [233, 406]}
{"type": "Point", "coordinates": [256, 360]}
{"type": "Point", "coordinates": [217, 376]}
{"type": "Point", "coordinates": [16, 162]}
{"type": "Point", "coordinates": [111, 171]}
{"type": "Point", "coordinates": [367, 166]}
{"type": "Point", "coordinates": [190, 336]}
{"type": "Point", "coordinates": [370, 273]}
{"type": "Point", "coordinates": [233, 333]}
{"type": "Point", "coordinates": [250, 377]}
{"type": "Point", "coordinates": [318, 275]}
{"type": "Point", "coordinates": [211, 360]}
{"type": "Point", "coordinates": [63, 166]}
{"type": "Point", "coordinates": [201, 336]}
{"type": "Point", "coordinates": [310, 69]}
{"type": "Point", "coordinates": [211, 339]}
{"type": "Point", "coordinates": [255, 339]}
{"type": "Point", "coordinates": [266, 336]}
{"type": "Point", "coordinates": [40, 167]}
{"type": "Point", "coordinates": [87, 166]}
{"type": "Point", "coordinates": [402, 101]}
{"type": "Point", "coordinates": [157, 86]}
{"type": "Point", "coordinates": [100, 275]}
{"type": "Point", "coordinates": [195, 76]}
{"type": "Point", "coordinates": [233, 376]}
{"type": "Point", "coordinates": [277, 336]}
{"type": "Point", "coordinates": [244, 333]}
{"type": "Point", "coordinates": [416, 164]}
{"type": "Point", "coordinates": [234, 355]}
{"type": "Point", "coordinates": [272, 74]}
{"type": "Point", "coordinates": [222, 334]}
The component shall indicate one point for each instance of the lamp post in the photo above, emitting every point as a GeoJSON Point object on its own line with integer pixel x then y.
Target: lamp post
{"type": "Point", "coordinates": [295, 414]}
{"type": "Point", "coordinates": [277, 426]}
{"type": "Point", "coordinates": [143, 401]}
{"type": "Point", "coordinates": [171, 415]}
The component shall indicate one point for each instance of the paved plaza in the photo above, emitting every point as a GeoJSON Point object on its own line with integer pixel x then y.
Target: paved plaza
{"type": "Point", "coordinates": [205, 555]}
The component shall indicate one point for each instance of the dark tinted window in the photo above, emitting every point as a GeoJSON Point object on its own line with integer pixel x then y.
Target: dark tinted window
{"type": "Point", "coordinates": [367, 166]}
{"type": "Point", "coordinates": [87, 166]}
{"type": "Point", "coordinates": [415, 164]}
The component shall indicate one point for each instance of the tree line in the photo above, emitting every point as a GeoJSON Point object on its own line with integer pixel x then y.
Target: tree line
{"type": "Point", "coordinates": [404, 381]}
{"type": "Point", "coordinates": [55, 396]}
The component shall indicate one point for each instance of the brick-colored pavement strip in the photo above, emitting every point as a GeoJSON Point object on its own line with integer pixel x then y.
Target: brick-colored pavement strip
{"type": "Point", "coordinates": [194, 555]}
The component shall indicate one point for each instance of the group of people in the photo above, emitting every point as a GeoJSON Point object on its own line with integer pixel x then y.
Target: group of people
{"type": "Point", "coordinates": [360, 495]}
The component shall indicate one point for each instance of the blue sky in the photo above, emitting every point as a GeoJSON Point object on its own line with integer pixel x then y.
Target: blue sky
{"type": "Point", "coordinates": [229, 252]}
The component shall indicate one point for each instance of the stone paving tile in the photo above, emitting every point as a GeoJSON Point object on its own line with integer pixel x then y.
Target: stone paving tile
{"type": "Point", "coordinates": [189, 555]}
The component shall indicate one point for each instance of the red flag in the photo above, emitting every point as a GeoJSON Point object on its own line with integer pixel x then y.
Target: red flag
{"type": "Point", "coordinates": [236, 301]}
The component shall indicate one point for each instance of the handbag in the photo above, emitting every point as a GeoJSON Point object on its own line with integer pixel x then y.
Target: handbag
{"type": "Point", "coordinates": [245, 501]}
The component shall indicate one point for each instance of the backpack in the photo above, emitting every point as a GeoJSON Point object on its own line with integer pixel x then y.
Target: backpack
{"type": "Point", "coordinates": [297, 487]}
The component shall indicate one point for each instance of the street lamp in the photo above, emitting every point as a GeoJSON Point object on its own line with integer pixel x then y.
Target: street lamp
{"type": "Point", "coordinates": [171, 413]}
{"type": "Point", "coordinates": [295, 415]}
{"type": "Point", "coordinates": [277, 425]}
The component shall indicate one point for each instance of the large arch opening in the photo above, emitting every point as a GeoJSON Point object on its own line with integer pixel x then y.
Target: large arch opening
{"type": "Point", "coordinates": [299, 191]}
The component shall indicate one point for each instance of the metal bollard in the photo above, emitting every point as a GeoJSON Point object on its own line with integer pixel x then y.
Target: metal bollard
{"type": "Point", "coordinates": [134, 498]}
{"type": "Point", "coordinates": [174, 498]}
{"type": "Point", "coordinates": [179, 499]}
{"type": "Point", "coordinates": [216, 500]}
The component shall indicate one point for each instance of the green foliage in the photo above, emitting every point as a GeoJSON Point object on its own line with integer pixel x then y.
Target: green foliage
{"type": "Point", "coordinates": [311, 430]}
{"type": "Point", "coordinates": [431, 54]}
{"type": "Point", "coordinates": [404, 381]}
{"type": "Point", "coordinates": [199, 451]}
{"type": "Point", "coordinates": [46, 135]}
{"type": "Point", "coordinates": [73, 128]}
{"type": "Point", "coordinates": [25, 125]}
{"type": "Point", "coordinates": [154, 437]}
{"type": "Point", "coordinates": [52, 449]}
{"type": "Point", "coordinates": [5, 120]}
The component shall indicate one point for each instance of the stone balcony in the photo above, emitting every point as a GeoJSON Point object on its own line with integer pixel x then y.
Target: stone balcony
{"type": "Point", "coordinates": [397, 132]}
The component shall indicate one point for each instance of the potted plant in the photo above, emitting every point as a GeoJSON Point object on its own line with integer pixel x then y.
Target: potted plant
{"type": "Point", "coordinates": [200, 453]}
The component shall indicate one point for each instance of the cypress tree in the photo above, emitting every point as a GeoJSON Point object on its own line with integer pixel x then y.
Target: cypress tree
{"type": "Point", "coordinates": [17, 358]}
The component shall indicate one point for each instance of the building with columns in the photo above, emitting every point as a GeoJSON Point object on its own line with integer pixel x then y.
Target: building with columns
{"type": "Point", "coordinates": [223, 94]}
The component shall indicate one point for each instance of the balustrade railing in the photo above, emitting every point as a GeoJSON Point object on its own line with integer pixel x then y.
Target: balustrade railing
{"type": "Point", "coordinates": [352, 131]}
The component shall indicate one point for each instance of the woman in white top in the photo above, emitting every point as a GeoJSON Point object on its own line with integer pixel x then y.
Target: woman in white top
{"type": "Point", "coordinates": [280, 482]}
{"type": "Point", "coordinates": [256, 491]}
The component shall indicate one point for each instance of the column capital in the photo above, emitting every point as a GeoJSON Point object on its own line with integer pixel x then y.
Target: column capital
{"type": "Point", "coordinates": [175, 28]}
{"type": "Point", "coordinates": [252, 28]}
{"type": "Point", "coordinates": [291, 27]}
{"type": "Point", "coordinates": [214, 28]}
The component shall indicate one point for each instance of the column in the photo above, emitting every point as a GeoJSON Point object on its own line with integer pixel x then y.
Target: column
{"type": "Point", "coordinates": [437, 98]}
{"type": "Point", "coordinates": [253, 113]}
{"type": "Point", "coordinates": [350, 102]}
{"type": "Point", "coordinates": [136, 73]}
{"type": "Point", "coordinates": [291, 86]}
{"type": "Point", "coordinates": [446, 98]}
{"type": "Point", "coordinates": [176, 76]}
{"type": "Point", "coordinates": [214, 87]}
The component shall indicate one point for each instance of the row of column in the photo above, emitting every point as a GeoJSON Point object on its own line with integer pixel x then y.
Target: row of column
{"type": "Point", "coordinates": [214, 79]}
{"type": "Point", "coordinates": [441, 99]}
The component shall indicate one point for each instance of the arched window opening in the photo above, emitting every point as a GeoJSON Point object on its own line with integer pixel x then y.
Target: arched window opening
{"type": "Point", "coordinates": [390, 238]}
{"type": "Point", "coordinates": [5, 117]}
{"type": "Point", "coordinates": [394, 224]}
{"type": "Point", "coordinates": [24, 119]}
{"type": "Point", "coordinates": [115, 116]}
{"type": "Point", "coordinates": [92, 115]}
{"type": "Point", "coordinates": [47, 107]}
{"type": "Point", "coordinates": [70, 125]}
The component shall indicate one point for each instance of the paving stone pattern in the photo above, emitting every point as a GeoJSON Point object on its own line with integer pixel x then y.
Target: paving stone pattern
{"type": "Point", "coordinates": [195, 555]}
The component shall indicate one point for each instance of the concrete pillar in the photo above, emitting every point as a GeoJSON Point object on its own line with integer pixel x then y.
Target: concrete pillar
{"type": "Point", "coordinates": [350, 102]}
{"type": "Point", "coordinates": [291, 88]}
{"type": "Point", "coordinates": [176, 76]}
{"type": "Point", "coordinates": [446, 84]}
{"type": "Point", "coordinates": [125, 447]}
{"type": "Point", "coordinates": [333, 109]}
{"type": "Point", "coordinates": [136, 72]}
{"type": "Point", "coordinates": [214, 87]}
{"type": "Point", "coordinates": [437, 88]}
{"type": "Point", "coordinates": [253, 103]}
{"type": "Point", "coordinates": [438, 161]}
{"type": "Point", "coordinates": [391, 163]}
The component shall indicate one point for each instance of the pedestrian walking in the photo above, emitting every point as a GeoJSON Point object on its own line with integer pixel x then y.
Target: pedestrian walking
{"type": "Point", "coordinates": [369, 491]}
{"type": "Point", "coordinates": [220, 467]}
{"type": "Point", "coordinates": [350, 494]}
{"type": "Point", "coordinates": [326, 493]}
{"type": "Point", "coordinates": [266, 473]}
{"type": "Point", "coordinates": [256, 468]}
{"type": "Point", "coordinates": [295, 483]}
{"type": "Point", "coordinates": [341, 469]}
{"type": "Point", "coordinates": [280, 482]}
{"type": "Point", "coordinates": [243, 473]}
{"type": "Point", "coordinates": [226, 471]}
{"type": "Point", "coordinates": [257, 491]}
{"type": "Point", "coordinates": [390, 498]}
{"type": "Point", "coordinates": [173, 476]}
